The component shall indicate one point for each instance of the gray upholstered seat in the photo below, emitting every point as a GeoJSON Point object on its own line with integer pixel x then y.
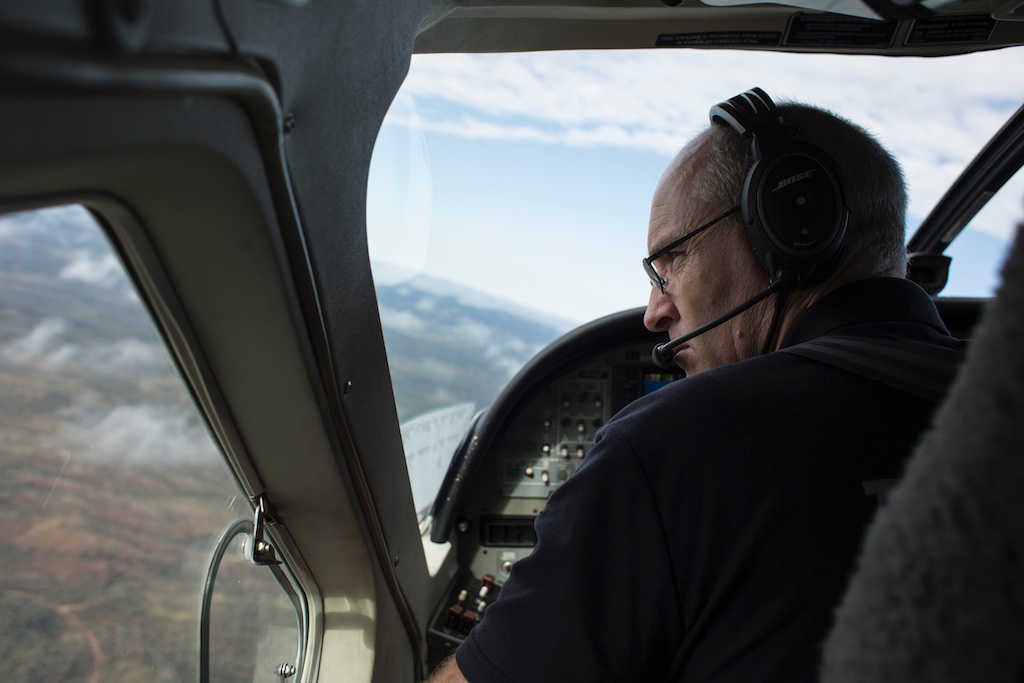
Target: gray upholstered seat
{"type": "Point", "coordinates": [939, 591]}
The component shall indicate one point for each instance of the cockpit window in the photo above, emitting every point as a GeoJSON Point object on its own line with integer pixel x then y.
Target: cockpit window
{"type": "Point", "coordinates": [510, 193]}
{"type": "Point", "coordinates": [114, 500]}
{"type": "Point", "coordinates": [979, 251]}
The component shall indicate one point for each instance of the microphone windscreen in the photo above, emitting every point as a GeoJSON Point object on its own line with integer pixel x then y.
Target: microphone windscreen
{"type": "Point", "coordinates": [662, 357]}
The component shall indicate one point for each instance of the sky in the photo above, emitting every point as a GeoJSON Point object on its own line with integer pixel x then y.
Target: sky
{"type": "Point", "coordinates": [529, 176]}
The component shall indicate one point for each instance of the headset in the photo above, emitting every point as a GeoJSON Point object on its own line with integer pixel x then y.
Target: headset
{"type": "Point", "coordinates": [793, 206]}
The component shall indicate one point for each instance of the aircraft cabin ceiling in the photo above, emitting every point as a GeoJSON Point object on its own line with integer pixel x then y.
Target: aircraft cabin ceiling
{"type": "Point", "coordinates": [895, 27]}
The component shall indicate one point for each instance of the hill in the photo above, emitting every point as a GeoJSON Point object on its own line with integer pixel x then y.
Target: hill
{"type": "Point", "coordinates": [447, 344]}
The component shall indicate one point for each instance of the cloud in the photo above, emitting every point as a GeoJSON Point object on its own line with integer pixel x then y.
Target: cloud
{"type": "Point", "coordinates": [405, 322]}
{"type": "Point", "coordinates": [934, 114]}
{"type": "Point", "coordinates": [654, 99]}
{"type": "Point", "coordinates": [47, 220]}
{"type": "Point", "coordinates": [102, 270]}
{"type": "Point", "coordinates": [46, 346]}
{"type": "Point", "coordinates": [37, 342]}
{"type": "Point", "coordinates": [128, 355]}
{"type": "Point", "coordinates": [142, 433]}
{"type": "Point", "coordinates": [503, 350]}
{"type": "Point", "coordinates": [473, 298]}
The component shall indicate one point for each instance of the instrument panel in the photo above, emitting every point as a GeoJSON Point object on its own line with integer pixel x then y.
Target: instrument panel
{"type": "Point", "coordinates": [536, 440]}
{"type": "Point", "coordinates": [558, 426]}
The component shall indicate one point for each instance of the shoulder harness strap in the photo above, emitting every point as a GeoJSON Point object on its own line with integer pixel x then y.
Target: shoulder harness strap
{"type": "Point", "coordinates": [923, 370]}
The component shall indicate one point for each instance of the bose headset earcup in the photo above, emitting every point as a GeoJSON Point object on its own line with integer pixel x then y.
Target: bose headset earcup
{"type": "Point", "coordinates": [793, 206]}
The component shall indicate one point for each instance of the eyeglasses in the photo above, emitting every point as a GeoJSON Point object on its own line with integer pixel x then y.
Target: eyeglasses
{"type": "Point", "coordinates": [656, 279]}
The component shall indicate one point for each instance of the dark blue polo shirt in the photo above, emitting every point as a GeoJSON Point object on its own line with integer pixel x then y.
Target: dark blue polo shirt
{"type": "Point", "coordinates": [712, 528]}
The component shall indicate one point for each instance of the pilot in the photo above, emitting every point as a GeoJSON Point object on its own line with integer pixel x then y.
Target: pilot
{"type": "Point", "coordinates": [711, 531]}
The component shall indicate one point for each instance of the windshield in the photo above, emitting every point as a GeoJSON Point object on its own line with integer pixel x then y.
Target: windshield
{"type": "Point", "coordinates": [509, 193]}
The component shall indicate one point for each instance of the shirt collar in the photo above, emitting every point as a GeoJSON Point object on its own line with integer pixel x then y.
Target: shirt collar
{"type": "Point", "coordinates": [865, 302]}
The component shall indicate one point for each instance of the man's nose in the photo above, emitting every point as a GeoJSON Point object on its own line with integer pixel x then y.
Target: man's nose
{"type": "Point", "coordinates": [660, 313]}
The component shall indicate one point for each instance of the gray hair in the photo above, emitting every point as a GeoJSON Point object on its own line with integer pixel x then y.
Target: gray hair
{"type": "Point", "coordinates": [875, 190]}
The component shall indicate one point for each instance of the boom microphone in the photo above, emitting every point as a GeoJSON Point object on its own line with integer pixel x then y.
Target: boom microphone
{"type": "Point", "coordinates": [663, 355]}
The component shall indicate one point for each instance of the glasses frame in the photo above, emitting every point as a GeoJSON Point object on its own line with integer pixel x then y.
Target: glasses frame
{"type": "Point", "coordinates": [656, 279]}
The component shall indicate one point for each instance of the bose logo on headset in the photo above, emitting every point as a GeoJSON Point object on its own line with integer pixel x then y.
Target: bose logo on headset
{"type": "Point", "coordinates": [793, 179]}
{"type": "Point", "coordinates": [793, 205]}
